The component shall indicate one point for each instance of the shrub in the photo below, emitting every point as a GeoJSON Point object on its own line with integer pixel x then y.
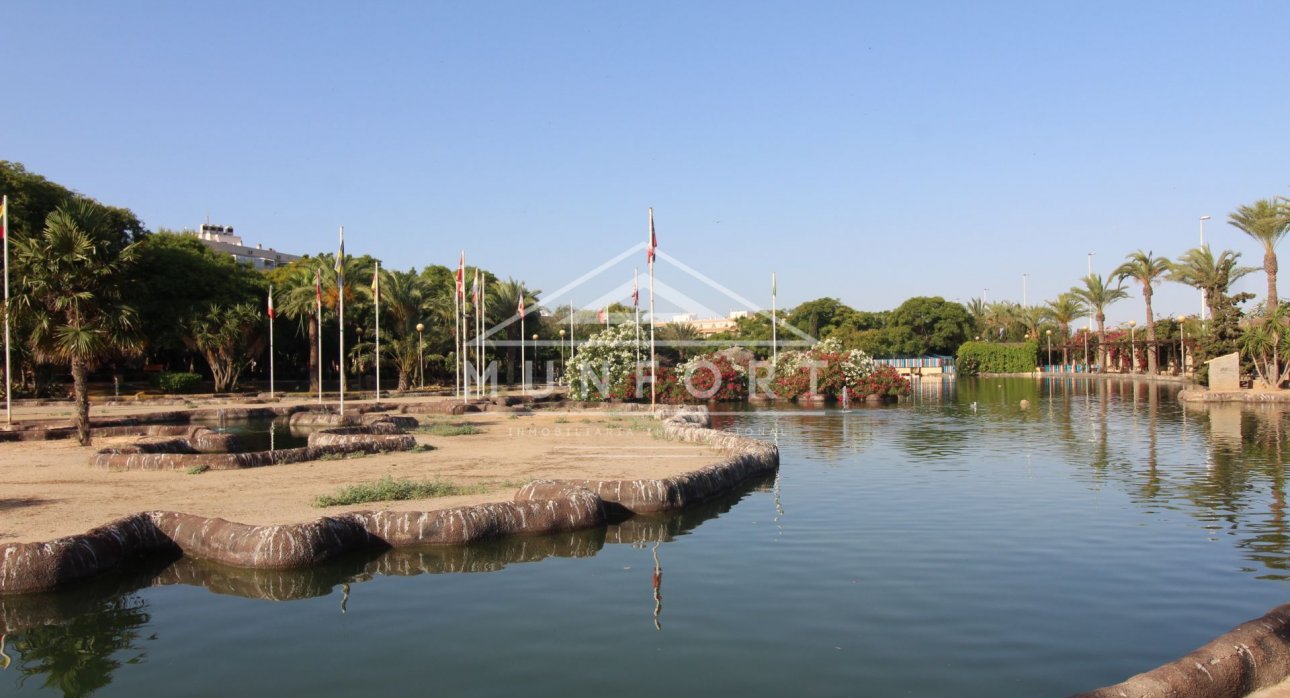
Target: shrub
{"type": "Point", "coordinates": [388, 489]}
{"type": "Point", "coordinates": [176, 382]}
{"type": "Point", "coordinates": [993, 357]}
{"type": "Point", "coordinates": [608, 356]}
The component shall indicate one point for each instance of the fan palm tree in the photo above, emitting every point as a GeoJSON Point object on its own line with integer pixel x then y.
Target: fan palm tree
{"type": "Point", "coordinates": [1146, 270]}
{"type": "Point", "coordinates": [1063, 311]}
{"type": "Point", "coordinates": [229, 338]}
{"type": "Point", "coordinates": [1096, 296]}
{"type": "Point", "coordinates": [679, 335]}
{"type": "Point", "coordinates": [504, 296]}
{"type": "Point", "coordinates": [403, 301]}
{"type": "Point", "coordinates": [70, 281]}
{"type": "Point", "coordinates": [1267, 221]}
{"type": "Point", "coordinates": [1213, 277]}
{"type": "Point", "coordinates": [298, 299]}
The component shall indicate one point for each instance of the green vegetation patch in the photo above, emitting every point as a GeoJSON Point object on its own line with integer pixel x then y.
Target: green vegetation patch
{"type": "Point", "coordinates": [387, 489]}
{"type": "Point", "coordinates": [449, 429]}
{"type": "Point", "coordinates": [994, 357]}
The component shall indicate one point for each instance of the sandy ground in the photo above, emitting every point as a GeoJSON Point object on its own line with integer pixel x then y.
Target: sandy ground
{"type": "Point", "coordinates": [48, 490]}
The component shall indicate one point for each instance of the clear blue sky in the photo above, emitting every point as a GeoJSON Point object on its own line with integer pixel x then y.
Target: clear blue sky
{"type": "Point", "coordinates": [865, 151]}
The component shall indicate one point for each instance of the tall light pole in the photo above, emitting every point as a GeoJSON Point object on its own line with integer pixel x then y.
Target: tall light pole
{"type": "Point", "coordinates": [1090, 317]}
{"type": "Point", "coordinates": [562, 352]}
{"type": "Point", "coordinates": [1203, 296]}
{"type": "Point", "coordinates": [535, 338]}
{"type": "Point", "coordinates": [1182, 347]}
{"type": "Point", "coordinates": [1050, 347]}
{"type": "Point", "coordinates": [421, 358]}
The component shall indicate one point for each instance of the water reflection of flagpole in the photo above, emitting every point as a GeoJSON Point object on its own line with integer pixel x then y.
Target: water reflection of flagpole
{"type": "Point", "coordinates": [657, 582]}
{"type": "Point", "coordinates": [779, 505]}
{"type": "Point", "coordinates": [5, 660]}
{"type": "Point", "coordinates": [344, 598]}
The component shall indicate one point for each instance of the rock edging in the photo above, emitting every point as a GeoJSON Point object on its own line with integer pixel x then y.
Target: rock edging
{"type": "Point", "coordinates": [1252, 656]}
{"type": "Point", "coordinates": [538, 508]}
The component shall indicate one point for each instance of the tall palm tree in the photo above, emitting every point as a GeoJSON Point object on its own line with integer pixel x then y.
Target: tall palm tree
{"type": "Point", "coordinates": [504, 299]}
{"type": "Point", "coordinates": [70, 281]}
{"type": "Point", "coordinates": [1096, 296]}
{"type": "Point", "coordinates": [1267, 221]}
{"type": "Point", "coordinates": [1063, 311]}
{"type": "Point", "coordinates": [229, 337]}
{"type": "Point", "coordinates": [403, 300]}
{"type": "Point", "coordinates": [977, 308]}
{"type": "Point", "coordinates": [297, 299]}
{"type": "Point", "coordinates": [999, 316]}
{"type": "Point", "coordinates": [1213, 277]}
{"type": "Point", "coordinates": [1146, 270]}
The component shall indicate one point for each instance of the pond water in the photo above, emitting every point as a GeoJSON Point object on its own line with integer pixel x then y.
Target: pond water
{"type": "Point", "coordinates": [952, 546]}
{"type": "Point", "coordinates": [263, 434]}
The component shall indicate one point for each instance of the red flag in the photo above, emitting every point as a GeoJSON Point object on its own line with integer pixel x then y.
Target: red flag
{"type": "Point", "coordinates": [602, 316]}
{"type": "Point", "coordinates": [4, 218]}
{"type": "Point", "coordinates": [271, 313]}
{"type": "Point", "coordinates": [521, 306]}
{"type": "Point", "coordinates": [636, 294]}
{"type": "Point", "coordinates": [461, 275]}
{"type": "Point", "coordinates": [653, 239]}
{"type": "Point", "coordinates": [318, 286]}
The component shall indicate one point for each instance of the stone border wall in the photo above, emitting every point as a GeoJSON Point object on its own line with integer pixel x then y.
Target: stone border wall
{"type": "Point", "coordinates": [1257, 397]}
{"type": "Point", "coordinates": [539, 508]}
{"type": "Point", "coordinates": [1250, 657]}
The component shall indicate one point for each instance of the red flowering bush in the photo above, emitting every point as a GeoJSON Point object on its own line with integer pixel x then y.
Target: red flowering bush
{"type": "Point", "coordinates": [884, 381]}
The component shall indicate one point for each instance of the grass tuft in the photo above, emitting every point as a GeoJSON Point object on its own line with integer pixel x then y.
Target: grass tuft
{"type": "Point", "coordinates": [446, 429]}
{"type": "Point", "coordinates": [387, 489]}
{"type": "Point", "coordinates": [197, 469]}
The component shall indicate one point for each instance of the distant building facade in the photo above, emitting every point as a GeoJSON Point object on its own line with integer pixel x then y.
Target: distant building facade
{"type": "Point", "coordinates": [708, 326]}
{"type": "Point", "coordinates": [221, 239]}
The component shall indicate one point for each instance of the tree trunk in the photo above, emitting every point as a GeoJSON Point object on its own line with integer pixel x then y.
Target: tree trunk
{"type": "Point", "coordinates": [403, 380]}
{"type": "Point", "coordinates": [1101, 341]}
{"type": "Point", "coordinates": [313, 354]}
{"type": "Point", "coordinates": [1270, 266]}
{"type": "Point", "coordinates": [1151, 332]}
{"type": "Point", "coordinates": [80, 393]}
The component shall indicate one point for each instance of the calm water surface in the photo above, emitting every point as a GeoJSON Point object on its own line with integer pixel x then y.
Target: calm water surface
{"type": "Point", "coordinates": [926, 549]}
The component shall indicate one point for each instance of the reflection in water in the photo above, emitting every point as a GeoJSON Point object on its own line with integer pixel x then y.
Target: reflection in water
{"type": "Point", "coordinates": [76, 638]}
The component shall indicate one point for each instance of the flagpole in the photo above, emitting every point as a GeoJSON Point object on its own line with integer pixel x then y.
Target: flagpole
{"type": "Point", "coordinates": [340, 295]}
{"type": "Point", "coordinates": [571, 342]}
{"type": "Point", "coordinates": [376, 291]}
{"type": "Point", "coordinates": [636, 303]}
{"type": "Point", "coordinates": [774, 321]}
{"type": "Point", "coordinates": [456, 339]}
{"type": "Point", "coordinates": [523, 383]}
{"type": "Point", "coordinates": [460, 345]}
{"type": "Point", "coordinates": [653, 356]}
{"type": "Point", "coordinates": [8, 376]}
{"type": "Point", "coordinates": [318, 298]}
{"type": "Point", "coordinates": [483, 326]}
{"type": "Point", "coordinates": [270, 341]}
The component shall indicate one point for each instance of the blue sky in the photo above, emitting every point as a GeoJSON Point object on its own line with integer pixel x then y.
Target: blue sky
{"type": "Point", "coordinates": [865, 151]}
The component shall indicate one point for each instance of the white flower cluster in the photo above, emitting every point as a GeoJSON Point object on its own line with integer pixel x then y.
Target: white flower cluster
{"type": "Point", "coordinates": [857, 366]}
{"type": "Point", "coordinates": [603, 361]}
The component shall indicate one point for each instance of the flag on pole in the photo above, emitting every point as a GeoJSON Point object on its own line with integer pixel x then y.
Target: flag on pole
{"type": "Point", "coordinates": [602, 315]}
{"type": "Point", "coordinates": [461, 275]}
{"type": "Point", "coordinates": [520, 309]}
{"type": "Point", "coordinates": [376, 280]}
{"type": "Point", "coordinates": [474, 290]}
{"type": "Point", "coordinates": [318, 286]}
{"type": "Point", "coordinates": [340, 260]}
{"type": "Point", "coordinates": [636, 293]}
{"type": "Point", "coordinates": [271, 314]}
{"type": "Point", "coordinates": [653, 239]}
{"type": "Point", "coordinates": [4, 218]}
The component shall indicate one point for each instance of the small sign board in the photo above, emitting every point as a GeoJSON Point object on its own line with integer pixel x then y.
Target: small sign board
{"type": "Point", "coordinates": [1225, 372]}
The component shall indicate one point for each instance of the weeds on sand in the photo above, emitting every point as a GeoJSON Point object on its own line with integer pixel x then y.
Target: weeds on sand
{"type": "Point", "coordinates": [388, 489]}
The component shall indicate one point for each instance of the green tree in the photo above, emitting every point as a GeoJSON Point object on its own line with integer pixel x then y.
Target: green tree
{"type": "Point", "coordinates": [176, 278]}
{"type": "Point", "coordinates": [229, 338]}
{"type": "Point", "coordinates": [935, 325]}
{"type": "Point", "coordinates": [1212, 276]}
{"type": "Point", "coordinates": [677, 337]}
{"type": "Point", "coordinates": [1062, 312]}
{"type": "Point", "coordinates": [296, 293]}
{"type": "Point", "coordinates": [1146, 270]}
{"type": "Point", "coordinates": [1096, 296]}
{"type": "Point", "coordinates": [505, 297]}
{"type": "Point", "coordinates": [70, 279]}
{"type": "Point", "coordinates": [1267, 221]}
{"type": "Point", "coordinates": [819, 317]}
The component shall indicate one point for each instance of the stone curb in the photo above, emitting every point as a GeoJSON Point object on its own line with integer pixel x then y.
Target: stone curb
{"type": "Point", "coordinates": [539, 508]}
{"type": "Point", "coordinates": [1248, 658]}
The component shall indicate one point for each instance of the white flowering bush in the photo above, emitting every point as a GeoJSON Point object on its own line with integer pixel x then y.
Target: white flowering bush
{"type": "Point", "coordinates": [604, 362]}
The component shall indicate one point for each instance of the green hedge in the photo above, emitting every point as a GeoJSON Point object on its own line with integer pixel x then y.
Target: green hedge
{"type": "Point", "coordinates": [176, 382]}
{"type": "Point", "coordinates": [994, 357]}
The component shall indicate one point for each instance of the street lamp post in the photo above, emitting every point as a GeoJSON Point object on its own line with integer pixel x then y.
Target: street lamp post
{"type": "Point", "coordinates": [1203, 296]}
{"type": "Point", "coordinates": [562, 352]}
{"type": "Point", "coordinates": [421, 358]}
{"type": "Point", "coordinates": [1182, 347]}
{"type": "Point", "coordinates": [1133, 349]}
{"type": "Point", "coordinates": [1050, 347]}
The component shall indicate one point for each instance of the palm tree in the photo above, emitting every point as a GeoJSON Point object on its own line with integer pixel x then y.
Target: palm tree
{"type": "Point", "coordinates": [999, 316]}
{"type": "Point", "coordinates": [229, 338]}
{"type": "Point", "coordinates": [403, 300]}
{"type": "Point", "coordinates": [1096, 296]}
{"type": "Point", "coordinates": [70, 282]}
{"type": "Point", "coordinates": [1146, 270]}
{"type": "Point", "coordinates": [297, 299]}
{"type": "Point", "coordinates": [977, 308]}
{"type": "Point", "coordinates": [1063, 311]}
{"type": "Point", "coordinates": [504, 296]}
{"type": "Point", "coordinates": [679, 335]}
{"type": "Point", "coordinates": [1267, 221]}
{"type": "Point", "coordinates": [1199, 269]}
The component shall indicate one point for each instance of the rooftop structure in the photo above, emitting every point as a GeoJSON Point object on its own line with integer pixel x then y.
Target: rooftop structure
{"type": "Point", "coordinates": [221, 239]}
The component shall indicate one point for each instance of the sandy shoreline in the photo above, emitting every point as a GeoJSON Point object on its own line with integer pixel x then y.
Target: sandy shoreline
{"type": "Point", "coordinates": [48, 490]}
